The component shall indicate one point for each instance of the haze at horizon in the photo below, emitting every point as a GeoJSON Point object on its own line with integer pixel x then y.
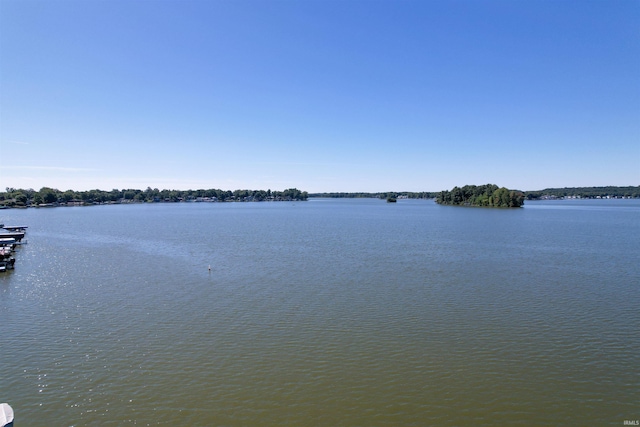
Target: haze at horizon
{"type": "Point", "coordinates": [319, 95]}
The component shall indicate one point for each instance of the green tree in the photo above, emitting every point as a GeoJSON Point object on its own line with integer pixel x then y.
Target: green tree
{"type": "Point", "coordinates": [49, 195]}
{"type": "Point", "coordinates": [20, 198]}
{"type": "Point", "coordinates": [68, 196]}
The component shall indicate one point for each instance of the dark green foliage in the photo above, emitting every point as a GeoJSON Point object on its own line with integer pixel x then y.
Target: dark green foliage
{"type": "Point", "coordinates": [21, 199]}
{"type": "Point", "coordinates": [48, 195]}
{"type": "Point", "coordinates": [294, 194]}
{"type": "Point", "coordinates": [488, 195]}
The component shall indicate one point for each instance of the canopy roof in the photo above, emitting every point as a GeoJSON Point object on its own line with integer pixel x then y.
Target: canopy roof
{"type": "Point", "coordinates": [6, 414]}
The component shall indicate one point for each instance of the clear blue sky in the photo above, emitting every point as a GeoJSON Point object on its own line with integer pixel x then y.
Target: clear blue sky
{"type": "Point", "coordinates": [320, 95]}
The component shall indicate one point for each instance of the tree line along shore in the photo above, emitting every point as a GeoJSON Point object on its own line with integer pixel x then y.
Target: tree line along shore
{"type": "Point", "coordinates": [469, 195]}
{"type": "Point", "coordinates": [549, 193]}
{"type": "Point", "coordinates": [52, 197]}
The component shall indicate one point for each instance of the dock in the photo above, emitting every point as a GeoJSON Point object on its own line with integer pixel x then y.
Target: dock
{"type": "Point", "coordinates": [10, 238]}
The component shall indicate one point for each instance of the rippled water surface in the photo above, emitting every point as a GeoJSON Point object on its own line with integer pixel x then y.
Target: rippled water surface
{"type": "Point", "coordinates": [324, 313]}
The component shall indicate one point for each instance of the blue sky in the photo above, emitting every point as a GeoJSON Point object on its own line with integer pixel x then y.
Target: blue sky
{"type": "Point", "coordinates": [373, 95]}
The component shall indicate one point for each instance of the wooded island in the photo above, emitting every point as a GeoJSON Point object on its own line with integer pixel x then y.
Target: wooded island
{"type": "Point", "coordinates": [488, 195]}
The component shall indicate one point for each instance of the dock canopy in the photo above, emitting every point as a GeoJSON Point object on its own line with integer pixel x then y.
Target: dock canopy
{"type": "Point", "coordinates": [15, 227]}
{"type": "Point", "coordinates": [12, 235]}
{"type": "Point", "coordinates": [6, 415]}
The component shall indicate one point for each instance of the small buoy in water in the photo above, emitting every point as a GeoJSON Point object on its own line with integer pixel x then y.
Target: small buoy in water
{"type": "Point", "coordinates": [209, 267]}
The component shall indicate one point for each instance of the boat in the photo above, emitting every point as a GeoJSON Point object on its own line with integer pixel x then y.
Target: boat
{"type": "Point", "coordinates": [7, 264]}
{"type": "Point", "coordinates": [5, 253]}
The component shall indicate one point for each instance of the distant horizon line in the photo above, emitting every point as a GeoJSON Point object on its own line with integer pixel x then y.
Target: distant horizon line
{"type": "Point", "coordinates": [10, 189]}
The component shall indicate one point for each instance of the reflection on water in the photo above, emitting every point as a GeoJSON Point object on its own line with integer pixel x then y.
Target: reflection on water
{"type": "Point", "coordinates": [329, 312]}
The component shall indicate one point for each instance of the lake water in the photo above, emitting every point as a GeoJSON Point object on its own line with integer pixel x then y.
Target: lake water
{"type": "Point", "coordinates": [324, 313]}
